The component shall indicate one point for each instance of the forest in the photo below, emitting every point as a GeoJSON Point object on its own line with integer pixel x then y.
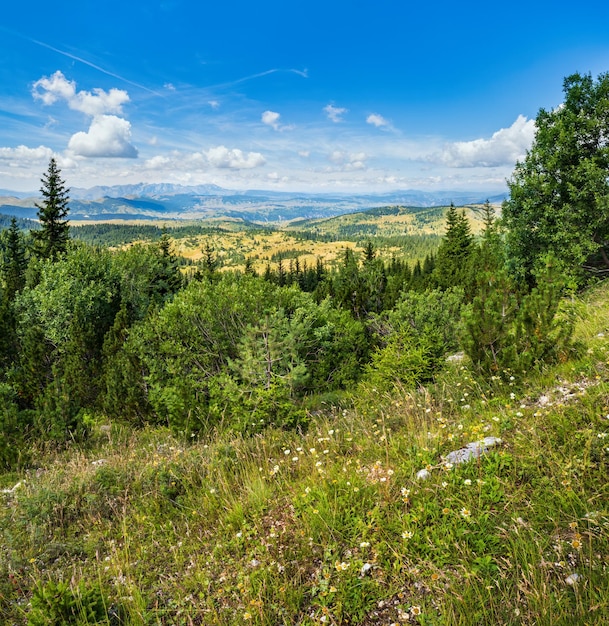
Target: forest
{"type": "Point", "coordinates": [103, 344]}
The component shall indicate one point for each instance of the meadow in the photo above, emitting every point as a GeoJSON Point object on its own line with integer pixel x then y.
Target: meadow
{"type": "Point", "coordinates": [356, 519]}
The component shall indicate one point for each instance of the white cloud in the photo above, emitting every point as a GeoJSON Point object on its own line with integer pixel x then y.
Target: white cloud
{"type": "Point", "coordinates": [222, 157]}
{"type": "Point", "coordinates": [218, 157]}
{"type": "Point", "coordinates": [271, 118]}
{"type": "Point", "coordinates": [335, 114]}
{"type": "Point", "coordinates": [108, 136]}
{"type": "Point", "coordinates": [505, 147]}
{"type": "Point", "coordinates": [23, 157]}
{"type": "Point", "coordinates": [377, 120]}
{"type": "Point", "coordinates": [57, 87]}
{"type": "Point", "coordinates": [349, 161]}
{"type": "Point", "coordinates": [214, 104]}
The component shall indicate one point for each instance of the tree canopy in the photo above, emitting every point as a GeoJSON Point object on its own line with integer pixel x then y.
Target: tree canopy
{"type": "Point", "coordinates": [559, 194]}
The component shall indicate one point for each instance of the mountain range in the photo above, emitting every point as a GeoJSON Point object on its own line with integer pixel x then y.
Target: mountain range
{"type": "Point", "coordinates": [175, 202]}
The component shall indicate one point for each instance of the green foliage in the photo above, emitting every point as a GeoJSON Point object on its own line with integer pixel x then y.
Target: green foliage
{"type": "Point", "coordinates": [52, 239]}
{"type": "Point", "coordinates": [452, 266]}
{"type": "Point", "coordinates": [14, 426]}
{"type": "Point", "coordinates": [559, 195]}
{"type": "Point", "coordinates": [433, 316]}
{"type": "Point", "coordinates": [403, 362]}
{"type": "Point", "coordinates": [13, 262]}
{"type": "Point", "coordinates": [62, 321]}
{"type": "Point", "coordinates": [505, 328]}
{"type": "Point", "coordinates": [58, 604]}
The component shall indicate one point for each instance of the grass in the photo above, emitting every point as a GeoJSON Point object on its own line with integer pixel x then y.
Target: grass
{"type": "Point", "coordinates": [332, 526]}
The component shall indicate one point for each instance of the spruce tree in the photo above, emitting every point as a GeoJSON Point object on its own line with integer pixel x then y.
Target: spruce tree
{"type": "Point", "coordinates": [15, 264]}
{"type": "Point", "coordinates": [453, 259]}
{"type": "Point", "coordinates": [52, 239]}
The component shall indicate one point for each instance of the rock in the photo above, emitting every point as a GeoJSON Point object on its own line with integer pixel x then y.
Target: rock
{"type": "Point", "coordinates": [423, 474]}
{"type": "Point", "coordinates": [472, 450]}
{"type": "Point", "coordinates": [572, 579]}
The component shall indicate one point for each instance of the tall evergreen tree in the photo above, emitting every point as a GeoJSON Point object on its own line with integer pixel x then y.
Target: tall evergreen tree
{"type": "Point", "coordinates": [52, 239]}
{"type": "Point", "coordinates": [14, 265]}
{"type": "Point", "coordinates": [452, 261]}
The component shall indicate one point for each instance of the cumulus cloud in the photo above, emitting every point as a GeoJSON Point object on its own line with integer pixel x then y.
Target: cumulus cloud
{"type": "Point", "coordinates": [377, 120]}
{"type": "Point", "coordinates": [222, 157]}
{"type": "Point", "coordinates": [108, 136]}
{"type": "Point", "coordinates": [22, 156]}
{"type": "Point", "coordinates": [349, 161]}
{"type": "Point", "coordinates": [505, 147]}
{"type": "Point", "coordinates": [271, 118]}
{"type": "Point", "coordinates": [218, 157]}
{"type": "Point", "coordinates": [335, 114]}
{"type": "Point", "coordinates": [98, 102]}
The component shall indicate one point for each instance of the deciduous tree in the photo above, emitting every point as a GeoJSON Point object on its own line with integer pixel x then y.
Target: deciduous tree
{"type": "Point", "coordinates": [559, 194]}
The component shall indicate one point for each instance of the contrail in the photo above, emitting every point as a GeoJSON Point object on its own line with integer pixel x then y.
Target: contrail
{"type": "Point", "coordinates": [304, 74]}
{"type": "Point", "coordinates": [84, 61]}
{"type": "Point", "coordinates": [96, 67]}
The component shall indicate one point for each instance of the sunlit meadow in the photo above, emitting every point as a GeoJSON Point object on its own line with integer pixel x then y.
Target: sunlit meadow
{"type": "Point", "coordinates": [357, 520]}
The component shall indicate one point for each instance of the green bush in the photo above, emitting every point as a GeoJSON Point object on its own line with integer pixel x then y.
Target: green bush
{"type": "Point", "coordinates": [58, 604]}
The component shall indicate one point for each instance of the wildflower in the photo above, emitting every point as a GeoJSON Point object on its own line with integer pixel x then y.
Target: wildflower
{"type": "Point", "coordinates": [466, 513]}
{"type": "Point", "coordinates": [415, 610]}
{"type": "Point", "coordinates": [364, 544]}
{"type": "Point", "coordinates": [446, 510]}
{"type": "Point", "coordinates": [286, 452]}
{"type": "Point", "coordinates": [576, 543]}
{"type": "Point", "coordinates": [467, 482]}
{"type": "Point", "coordinates": [341, 566]}
{"type": "Point", "coordinates": [333, 589]}
{"type": "Point", "coordinates": [407, 534]}
{"type": "Point", "coordinates": [247, 615]}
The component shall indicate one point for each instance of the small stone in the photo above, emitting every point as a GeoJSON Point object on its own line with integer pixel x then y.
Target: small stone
{"type": "Point", "coordinates": [423, 474]}
{"type": "Point", "coordinates": [572, 579]}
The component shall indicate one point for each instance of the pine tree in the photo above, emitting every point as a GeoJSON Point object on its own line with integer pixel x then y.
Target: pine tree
{"type": "Point", "coordinates": [452, 262]}
{"type": "Point", "coordinates": [15, 264]}
{"type": "Point", "coordinates": [52, 239]}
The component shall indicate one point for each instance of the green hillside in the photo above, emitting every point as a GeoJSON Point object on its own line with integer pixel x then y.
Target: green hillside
{"type": "Point", "coordinates": [331, 525]}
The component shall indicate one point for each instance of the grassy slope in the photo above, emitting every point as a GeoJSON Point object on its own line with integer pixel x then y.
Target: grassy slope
{"type": "Point", "coordinates": [332, 526]}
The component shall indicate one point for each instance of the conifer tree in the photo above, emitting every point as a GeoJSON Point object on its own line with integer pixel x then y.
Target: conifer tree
{"type": "Point", "coordinates": [452, 261]}
{"type": "Point", "coordinates": [52, 239]}
{"type": "Point", "coordinates": [14, 266]}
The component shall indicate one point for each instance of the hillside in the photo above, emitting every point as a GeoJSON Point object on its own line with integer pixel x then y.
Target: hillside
{"type": "Point", "coordinates": [359, 519]}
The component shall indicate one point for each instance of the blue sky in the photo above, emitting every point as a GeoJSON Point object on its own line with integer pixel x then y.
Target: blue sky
{"type": "Point", "coordinates": [339, 95]}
